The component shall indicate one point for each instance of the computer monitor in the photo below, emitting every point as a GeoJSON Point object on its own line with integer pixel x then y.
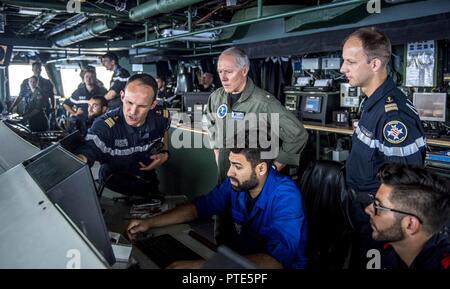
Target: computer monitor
{"type": "Point", "coordinates": [68, 182]}
{"type": "Point", "coordinates": [431, 106]}
{"type": "Point", "coordinates": [35, 233]}
{"type": "Point", "coordinates": [13, 149]}
{"type": "Point", "coordinates": [313, 104]}
{"type": "Point", "coordinates": [195, 101]}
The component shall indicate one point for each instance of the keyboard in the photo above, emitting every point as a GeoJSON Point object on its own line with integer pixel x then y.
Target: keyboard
{"type": "Point", "coordinates": [163, 250]}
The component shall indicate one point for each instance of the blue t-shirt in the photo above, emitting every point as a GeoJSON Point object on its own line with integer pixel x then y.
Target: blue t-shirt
{"type": "Point", "coordinates": [276, 224]}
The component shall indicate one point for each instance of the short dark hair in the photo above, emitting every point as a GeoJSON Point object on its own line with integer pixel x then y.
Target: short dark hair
{"type": "Point", "coordinates": [90, 69]}
{"type": "Point", "coordinates": [375, 43]}
{"type": "Point", "coordinates": [144, 79]}
{"type": "Point", "coordinates": [418, 191]}
{"type": "Point", "coordinates": [102, 99]}
{"type": "Point", "coordinates": [111, 56]}
{"type": "Point", "coordinates": [37, 63]}
{"type": "Point", "coordinates": [251, 148]}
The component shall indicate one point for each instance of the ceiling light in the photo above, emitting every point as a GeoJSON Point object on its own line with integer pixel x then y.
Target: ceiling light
{"type": "Point", "coordinates": [26, 11]}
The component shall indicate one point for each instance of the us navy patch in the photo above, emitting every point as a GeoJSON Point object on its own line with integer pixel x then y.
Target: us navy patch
{"type": "Point", "coordinates": [222, 111]}
{"type": "Point", "coordinates": [395, 132]}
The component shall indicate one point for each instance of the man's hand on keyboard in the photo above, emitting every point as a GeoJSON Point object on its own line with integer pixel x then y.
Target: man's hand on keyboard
{"type": "Point", "coordinates": [196, 264]}
{"type": "Point", "coordinates": [136, 226]}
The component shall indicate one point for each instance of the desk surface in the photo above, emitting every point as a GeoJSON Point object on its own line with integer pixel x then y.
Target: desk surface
{"type": "Point", "coordinates": [115, 221]}
{"type": "Point", "coordinates": [349, 131]}
{"type": "Point", "coordinates": [199, 128]}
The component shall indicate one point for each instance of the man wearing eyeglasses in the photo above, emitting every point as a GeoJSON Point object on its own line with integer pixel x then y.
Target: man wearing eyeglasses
{"type": "Point", "coordinates": [408, 211]}
{"type": "Point", "coordinates": [388, 130]}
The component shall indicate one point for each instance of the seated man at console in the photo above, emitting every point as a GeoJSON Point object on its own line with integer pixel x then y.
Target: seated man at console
{"type": "Point", "coordinates": [266, 207]}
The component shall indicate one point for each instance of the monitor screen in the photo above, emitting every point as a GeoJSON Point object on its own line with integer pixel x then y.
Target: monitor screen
{"type": "Point", "coordinates": [431, 106]}
{"type": "Point", "coordinates": [68, 182]}
{"type": "Point", "coordinates": [193, 101]}
{"type": "Point", "coordinates": [312, 104]}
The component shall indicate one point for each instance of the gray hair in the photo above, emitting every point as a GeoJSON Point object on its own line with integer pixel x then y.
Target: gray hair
{"type": "Point", "coordinates": [241, 57]}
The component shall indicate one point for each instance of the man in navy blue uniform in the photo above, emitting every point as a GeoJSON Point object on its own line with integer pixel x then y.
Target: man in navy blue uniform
{"type": "Point", "coordinates": [389, 128]}
{"type": "Point", "coordinates": [118, 80]}
{"type": "Point", "coordinates": [125, 140]}
{"type": "Point", "coordinates": [410, 208]}
{"type": "Point", "coordinates": [266, 207]}
{"type": "Point", "coordinates": [77, 104]}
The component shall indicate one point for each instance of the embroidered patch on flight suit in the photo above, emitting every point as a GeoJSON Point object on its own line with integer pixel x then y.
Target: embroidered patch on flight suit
{"type": "Point", "coordinates": [110, 122]}
{"type": "Point", "coordinates": [222, 111]}
{"type": "Point", "coordinates": [395, 132]}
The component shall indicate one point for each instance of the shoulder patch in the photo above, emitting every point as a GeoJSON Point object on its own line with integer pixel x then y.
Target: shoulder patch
{"type": "Point", "coordinates": [395, 132]}
{"type": "Point", "coordinates": [165, 113]}
{"type": "Point", "coordinates": [110, 122]}
{"type": "Point", "coordinates": [390, 104]}
{"type": "Point", "coordinates": [390, 107]}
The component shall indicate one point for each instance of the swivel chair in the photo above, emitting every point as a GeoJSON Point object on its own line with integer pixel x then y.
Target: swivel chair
{"type": "Point", "coordinates": [327, 204]}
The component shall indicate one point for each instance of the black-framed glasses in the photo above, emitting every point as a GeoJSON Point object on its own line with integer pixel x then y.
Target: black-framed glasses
{"type": "Point", "coordinates": [377, 206]}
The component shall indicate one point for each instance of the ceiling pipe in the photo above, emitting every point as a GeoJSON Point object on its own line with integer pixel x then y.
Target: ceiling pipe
{"type": "Point", "coordinates": [36, 23]}
{"type": "Point", "coordinates": [58, 6]}
{"type": "Point", "coordinates": [155, 7]}
{"type": "Point", "coordinates": [67, 24]}
{"type": "Point", "coordinates": [251, 21]}
{"type": "Point", "coordinates": [90, 30]}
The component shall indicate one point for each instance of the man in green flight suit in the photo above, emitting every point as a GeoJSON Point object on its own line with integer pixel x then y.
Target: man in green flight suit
{"type": "Point", "coordinates": [240, 101]}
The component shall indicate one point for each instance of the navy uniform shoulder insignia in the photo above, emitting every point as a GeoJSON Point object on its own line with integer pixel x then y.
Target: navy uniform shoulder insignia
{"type": "Point", "coordinates": [390, 105]}
{"type": "Point", "coordinates": [395, 132]}
{"type": "Point", "coordinates": [165, 113]}
{"type": "Point", "coordinates": [110, 121]}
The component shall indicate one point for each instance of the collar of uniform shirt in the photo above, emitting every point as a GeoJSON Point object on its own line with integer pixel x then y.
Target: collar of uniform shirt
{"type": "Point", "coordinates": [379, 93]}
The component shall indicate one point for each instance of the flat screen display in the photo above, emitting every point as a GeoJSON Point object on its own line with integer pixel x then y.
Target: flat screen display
{"type": "Point", "coordinates": [431, 106]}
{"type": "Point", "coordinates": [312, 104]}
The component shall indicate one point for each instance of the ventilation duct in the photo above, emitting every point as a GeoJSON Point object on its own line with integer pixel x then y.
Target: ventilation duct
{"type": "Point", "coordinates": [155, 7]}
{"type": "Point", "coordinates": [88, 31]}
{"type": "Point", "coordinates": [36, 23]}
